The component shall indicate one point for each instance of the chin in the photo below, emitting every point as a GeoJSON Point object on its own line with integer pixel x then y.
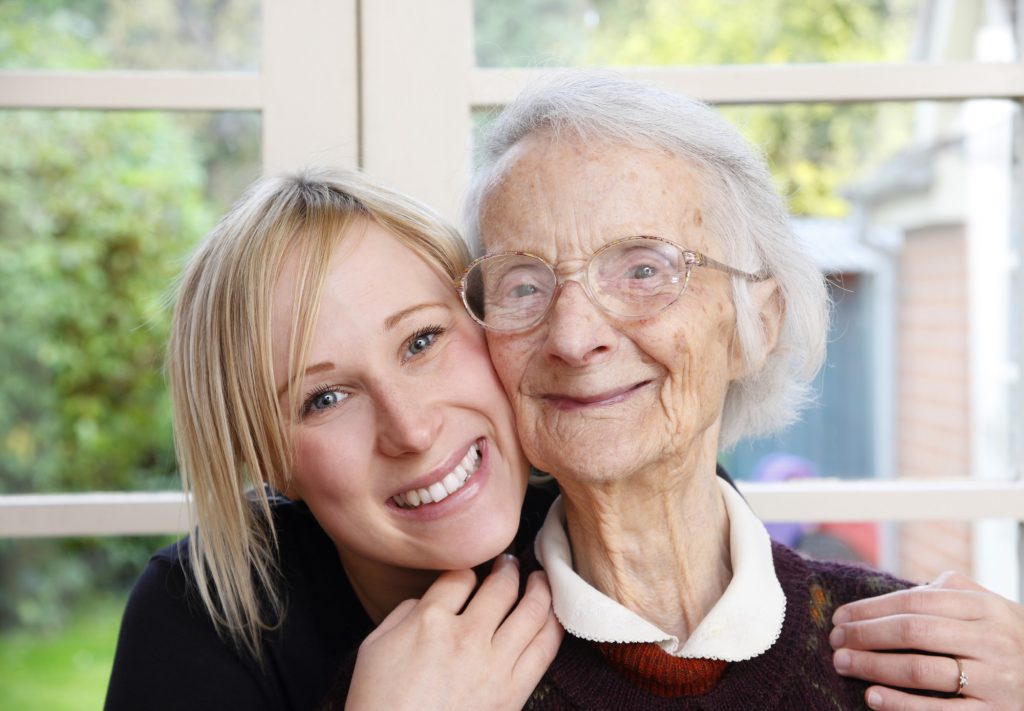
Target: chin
{"type": "Point", "coordinates": [479, 547]}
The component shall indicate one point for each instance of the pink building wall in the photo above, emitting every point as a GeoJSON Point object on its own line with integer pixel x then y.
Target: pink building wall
{"type": "Point", "coordinates": [932, 403]}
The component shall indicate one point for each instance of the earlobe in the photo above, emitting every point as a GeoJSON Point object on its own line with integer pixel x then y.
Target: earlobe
{"type": "Point", "coordinates": [769, 310]}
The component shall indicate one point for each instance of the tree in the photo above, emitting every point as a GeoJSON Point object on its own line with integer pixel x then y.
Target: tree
{"type": "Point", "coordinates": [97, 212]}
{"type": "Point", "coordinates": [813, 149]}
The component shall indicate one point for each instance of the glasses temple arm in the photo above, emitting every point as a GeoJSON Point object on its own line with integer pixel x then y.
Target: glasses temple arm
{"type": "Point", "coordinates": [706, 261]}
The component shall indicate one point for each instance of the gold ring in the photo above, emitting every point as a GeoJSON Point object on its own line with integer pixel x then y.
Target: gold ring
{"type": "Point", "coordinates": [961, 682]}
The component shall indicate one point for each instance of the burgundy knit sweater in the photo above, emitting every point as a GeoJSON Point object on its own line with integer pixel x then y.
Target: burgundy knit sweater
{"type": "Point", "coordinates": [795, 674]}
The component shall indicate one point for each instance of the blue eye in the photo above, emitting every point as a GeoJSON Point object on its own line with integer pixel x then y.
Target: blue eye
{"type": "Point", "coordinates": [421, 343]}
{"type": "Point", "coordinates": [644, 271]}
{"type": "Point", "coordinates": [422, 340]}
{"type": "Point", "coordinates": [323, 399]}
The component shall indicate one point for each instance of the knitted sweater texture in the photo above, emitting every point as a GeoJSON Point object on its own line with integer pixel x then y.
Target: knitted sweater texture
{"type": "Point", "coordinates": [796, 673]}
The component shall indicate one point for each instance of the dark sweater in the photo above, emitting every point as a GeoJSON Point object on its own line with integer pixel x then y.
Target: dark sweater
{"type": "Point", "coordinates": [796, 673]}
{"type": "Point", "coordinates": [170, 657]}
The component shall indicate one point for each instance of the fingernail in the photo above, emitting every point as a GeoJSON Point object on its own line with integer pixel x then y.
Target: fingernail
{"type": "Point", "coordinates": [837, 638]}
{"type": "Point", "coordinates": [874, 700]}
{"type": "Point", "coordinates": [505, 559]}
{"type": "Point", "coordinates": [841, 616]}
{"type": "Point", "coordinates": [841, 659]}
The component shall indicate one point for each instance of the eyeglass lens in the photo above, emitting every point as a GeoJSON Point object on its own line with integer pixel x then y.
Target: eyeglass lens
{"type": "Point", "coordinates": [631, 279]}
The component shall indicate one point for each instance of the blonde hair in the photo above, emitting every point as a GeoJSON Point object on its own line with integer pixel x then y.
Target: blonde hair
{"type": "Point", "coordinates": [231, 435]}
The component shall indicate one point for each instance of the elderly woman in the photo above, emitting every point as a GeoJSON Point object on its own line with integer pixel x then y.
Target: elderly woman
{"type": "Point", "coordinates": [647, 306]}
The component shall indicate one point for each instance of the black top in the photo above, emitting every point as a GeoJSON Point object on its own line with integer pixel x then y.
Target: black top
{"type": "Point", "coordinates": [170, 657]}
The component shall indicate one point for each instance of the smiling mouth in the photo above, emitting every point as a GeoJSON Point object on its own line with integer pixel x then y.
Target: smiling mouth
{"type": "Point", "coordinates": [448, 485]}
{"type": "Point", "coordinates": [606, 398]}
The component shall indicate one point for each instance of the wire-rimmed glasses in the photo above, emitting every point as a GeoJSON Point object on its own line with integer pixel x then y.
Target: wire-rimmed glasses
{"type": "Point", "coordinates": [629, 278]}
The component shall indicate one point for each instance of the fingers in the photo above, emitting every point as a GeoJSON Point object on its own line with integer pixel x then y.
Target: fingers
{"type": "Point", "coordinates": [923, 600]}
{"type": "Point", "coordinates": [538, 655]}
{"type": "Point", "coordinates": [541, 647]}
{"type": "Point", "coordinates": [910, 671]}
{"type": "Point", "coordinates": [394, 619]}
{"type": "Point", "coordinates": [527, 619]}
{"type": "Point", "coordinates": [450, 591]}
{"type": "Point", "coordinates": [935, 634]}
{"type": "Point", "coordinates": [496, 595]}
{"type": "Point", "coordinates": [952, 580]}
{"type": "Point", "coordinates": [881, 698]}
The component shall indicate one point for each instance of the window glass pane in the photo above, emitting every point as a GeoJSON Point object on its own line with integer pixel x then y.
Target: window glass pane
{"type": "Point", "coordinates": [708, 32]}
{"type": "Point", "coordinates": [124, 34]}
{"type": "Point", "coordinates": [97, 211]}
{"type": "Point", "coordinates": [897, 202]}
{"type": "Point", "coordinates": [918, 551]}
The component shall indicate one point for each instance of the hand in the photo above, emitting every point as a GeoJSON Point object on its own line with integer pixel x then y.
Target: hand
{"type": "Point", "coordinates": [952, 617]}
{"type": "Point", "coordinates": [427, 655]}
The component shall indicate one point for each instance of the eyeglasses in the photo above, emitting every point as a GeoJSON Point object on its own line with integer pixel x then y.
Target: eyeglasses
{"type": "Point", "coordinates": [629, 278]}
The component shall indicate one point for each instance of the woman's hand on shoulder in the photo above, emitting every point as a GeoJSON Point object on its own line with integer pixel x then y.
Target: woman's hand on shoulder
{"type": "Point", "coordinates": [439, 652]}
{"type": "Point", "coordinates": [962, 626]}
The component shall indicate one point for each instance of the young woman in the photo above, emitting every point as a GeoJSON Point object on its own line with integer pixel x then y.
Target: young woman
{"type": "Point", "coordinates": [344, 439]}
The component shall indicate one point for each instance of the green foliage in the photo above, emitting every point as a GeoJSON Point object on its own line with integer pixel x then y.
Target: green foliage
{"type": "Point", "coordinates": [97, 212]}
{"type": "Point", "coordinates": [62, 670]}
{"type": "Point", "coordinates": [127, 34]}
{"type": "Point", "coordinates": [657, 32]}
{"type": "Point", "coordinates": [529, 32]}
{"type": "Point", "coordinates": [98, 209]}
{"type": "Point", "coordinates": [814, 150]}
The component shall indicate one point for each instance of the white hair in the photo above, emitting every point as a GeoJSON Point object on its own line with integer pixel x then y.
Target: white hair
{"type": "Point", "coordinates": [743, 211]}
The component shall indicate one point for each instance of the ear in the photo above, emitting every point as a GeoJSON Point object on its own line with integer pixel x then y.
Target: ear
{"type": "Point", "coordinates": [769, 309]}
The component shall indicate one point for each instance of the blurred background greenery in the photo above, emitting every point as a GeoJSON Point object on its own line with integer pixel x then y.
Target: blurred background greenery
{"type": "Point", "coordinates": [97, 212]}
{"type": "Point", "coordinates": [99, 209]}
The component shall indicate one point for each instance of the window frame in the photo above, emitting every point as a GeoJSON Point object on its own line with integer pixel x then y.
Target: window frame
{"type": "Point", "coordinates": [333, 89]}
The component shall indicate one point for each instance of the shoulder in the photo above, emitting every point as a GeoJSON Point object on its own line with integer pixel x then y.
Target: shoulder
{"type": "Point", "coordinates": [170, 655]}
{"type": "Point", "coordinates": [167, 635]}
{"type": "Point", "coordinates": [828, 583]}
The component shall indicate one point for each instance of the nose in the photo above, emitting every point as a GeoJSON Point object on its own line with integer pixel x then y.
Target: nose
{"type": "Point", "coordinates": [407, 422]}
{"type": "Point", "coordinates": [578, 331]}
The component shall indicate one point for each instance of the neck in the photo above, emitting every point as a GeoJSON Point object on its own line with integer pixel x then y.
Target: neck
{"type": "Point", "coordinates": [657, 542]}
{"type": "Point", "coordinates": [380, 588]}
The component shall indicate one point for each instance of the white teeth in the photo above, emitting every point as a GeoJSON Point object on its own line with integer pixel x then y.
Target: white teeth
{"type": "Point", "coordinates": [440, 490]}
{"type": "Point", "coordinates": [451, 483]}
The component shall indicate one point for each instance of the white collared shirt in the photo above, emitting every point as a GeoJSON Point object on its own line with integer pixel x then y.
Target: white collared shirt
{"type": "Point", "coordinates": [744, 623]}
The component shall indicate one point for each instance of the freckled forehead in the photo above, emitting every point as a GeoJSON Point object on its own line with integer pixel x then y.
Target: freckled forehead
{"type": "Point", "coordinates": [568, 197]}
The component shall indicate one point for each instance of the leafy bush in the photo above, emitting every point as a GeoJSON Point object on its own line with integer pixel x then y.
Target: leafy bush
{"type": "Point", "coordinates": [97, 211]}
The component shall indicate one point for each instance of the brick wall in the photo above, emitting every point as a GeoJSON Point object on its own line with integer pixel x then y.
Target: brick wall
{"type": "Point", "coordinates": [932, 389]}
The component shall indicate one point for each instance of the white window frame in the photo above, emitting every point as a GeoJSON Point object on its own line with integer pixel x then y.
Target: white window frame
{"type": "Point", "coordinates": [389, 86]}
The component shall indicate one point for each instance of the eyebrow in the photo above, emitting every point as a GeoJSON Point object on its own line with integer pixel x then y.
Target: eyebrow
{"type": "Point", "coordinates": [394, 319]}
{"type": "Point", "coordinates": [389, 323]}
{"type": "Point", "coordinates": [317, 368]}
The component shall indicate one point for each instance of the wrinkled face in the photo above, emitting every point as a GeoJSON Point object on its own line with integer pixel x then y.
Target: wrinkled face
{"type": "Point", "coordinates": [404, 449]}
{"type": "Point", "coordinates": [598, 398]}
